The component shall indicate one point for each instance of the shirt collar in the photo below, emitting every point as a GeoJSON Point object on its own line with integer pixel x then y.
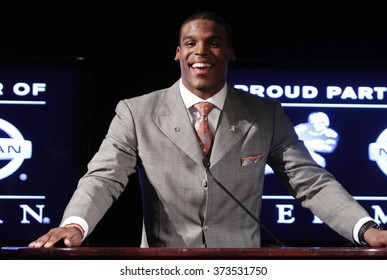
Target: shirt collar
{"type": "Point", "coordinates": [190, 99]}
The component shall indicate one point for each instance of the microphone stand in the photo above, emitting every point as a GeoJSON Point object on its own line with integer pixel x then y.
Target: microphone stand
{"type": "Point", "coordinates": [206, 163]}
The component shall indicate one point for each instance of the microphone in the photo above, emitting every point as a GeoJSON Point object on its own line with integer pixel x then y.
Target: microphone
{"type": "Point", "coordinates": [207, 164]}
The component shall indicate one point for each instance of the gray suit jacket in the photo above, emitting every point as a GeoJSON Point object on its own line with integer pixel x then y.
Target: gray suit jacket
{"type": "Point", "coordinates": [182, 207]}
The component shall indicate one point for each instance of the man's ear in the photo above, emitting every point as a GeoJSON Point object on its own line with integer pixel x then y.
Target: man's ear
{"type": "Point", "coordinates": [177, 54]}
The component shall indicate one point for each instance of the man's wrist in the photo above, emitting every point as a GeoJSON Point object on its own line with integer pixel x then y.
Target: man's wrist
{"type": "Point", "coordinates": [78, 228]}
{"type": "Point", "coordinates": [78, 221]}
{"type": "Point", "coordinates": [364, 228]}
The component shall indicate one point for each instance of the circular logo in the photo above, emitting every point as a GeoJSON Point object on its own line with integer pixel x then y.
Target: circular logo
{"type": "Point", "coordinates": [15, 149]}
{"type": "Point", "coordinates": [378, 151]}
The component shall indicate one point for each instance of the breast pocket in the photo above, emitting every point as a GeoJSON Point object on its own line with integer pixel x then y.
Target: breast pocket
{"type": "Point", "coordinates": [252, 159]}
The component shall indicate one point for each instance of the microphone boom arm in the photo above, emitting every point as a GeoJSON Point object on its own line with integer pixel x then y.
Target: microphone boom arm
{"type": "Point", "coordinates": [206, 163]}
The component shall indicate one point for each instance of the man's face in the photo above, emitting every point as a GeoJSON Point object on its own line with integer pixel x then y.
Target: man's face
{"type": "Point", "coordinates": [204, 55]}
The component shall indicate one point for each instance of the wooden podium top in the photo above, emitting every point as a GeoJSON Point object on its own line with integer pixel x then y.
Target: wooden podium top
{"type": "Point", "coordinates": [193, 253]}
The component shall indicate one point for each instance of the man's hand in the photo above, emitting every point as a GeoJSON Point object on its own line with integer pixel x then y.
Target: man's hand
{"type": "Point", "coordinates": [376, 237]}
{"type": "Point", "coordinates": [70, 236]}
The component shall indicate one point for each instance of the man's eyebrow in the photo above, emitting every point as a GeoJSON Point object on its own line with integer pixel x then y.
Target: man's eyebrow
{"type": "Point", "coordinates": [214, 37]}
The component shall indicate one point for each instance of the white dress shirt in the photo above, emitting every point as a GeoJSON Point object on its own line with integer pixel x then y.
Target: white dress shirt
{"type": "Point", "coordinates": [217, 100]}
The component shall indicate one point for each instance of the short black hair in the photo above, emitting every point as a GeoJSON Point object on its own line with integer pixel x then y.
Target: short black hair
{"type": "Point", "coordinates": [213, 17]}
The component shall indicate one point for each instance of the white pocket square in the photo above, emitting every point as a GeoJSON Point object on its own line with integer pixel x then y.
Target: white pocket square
{"type": "Point", "coordinates": [251, 159]}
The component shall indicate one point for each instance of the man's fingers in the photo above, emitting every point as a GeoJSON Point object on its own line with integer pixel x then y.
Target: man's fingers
{"type": "Point", "coordinates": [70, 237]}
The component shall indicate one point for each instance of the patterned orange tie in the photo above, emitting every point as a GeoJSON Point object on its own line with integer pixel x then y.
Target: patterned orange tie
{"type": "Point", "coordinates": [202, 127]}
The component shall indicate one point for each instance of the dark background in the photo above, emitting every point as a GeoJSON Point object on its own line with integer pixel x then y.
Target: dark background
{"type": "Point", "coordinates": [128, 50]}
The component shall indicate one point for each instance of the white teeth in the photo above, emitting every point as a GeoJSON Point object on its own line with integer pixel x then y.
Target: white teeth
{"type": "Point", "coordinates": [199, 65]}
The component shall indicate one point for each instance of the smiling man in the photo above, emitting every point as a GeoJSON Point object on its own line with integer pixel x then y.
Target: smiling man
{"type": "Point", "coordinates": [183, 203]}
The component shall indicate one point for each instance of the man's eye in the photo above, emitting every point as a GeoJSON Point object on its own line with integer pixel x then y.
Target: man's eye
{"type": "Point", "coordinates": [190, 44]}
{"type": "Point", "coordinates": [214, 44]}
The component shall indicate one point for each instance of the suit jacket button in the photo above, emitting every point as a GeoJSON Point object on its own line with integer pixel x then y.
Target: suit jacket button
{"type": "Point", "coordinates": [206, 227]}
{"type": "Point", "coordinates": [204, 183]}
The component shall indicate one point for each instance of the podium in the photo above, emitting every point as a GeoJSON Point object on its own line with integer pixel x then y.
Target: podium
{"type": "Point", "coordinates": [129, 253]}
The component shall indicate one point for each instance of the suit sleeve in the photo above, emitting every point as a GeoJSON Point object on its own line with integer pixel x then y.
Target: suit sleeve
{"type": "Point", "coordinates": [313, 186]}
{"type": "Point", "coordinates": [108, 171]}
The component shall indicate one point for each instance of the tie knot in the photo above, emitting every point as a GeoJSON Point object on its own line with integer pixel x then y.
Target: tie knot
{"type": "Point", "coordinates": [203, 108]}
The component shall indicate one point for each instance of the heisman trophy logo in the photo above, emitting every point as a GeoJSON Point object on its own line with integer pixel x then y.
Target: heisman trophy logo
{"type": "Point", "coordinates": [15, 149]}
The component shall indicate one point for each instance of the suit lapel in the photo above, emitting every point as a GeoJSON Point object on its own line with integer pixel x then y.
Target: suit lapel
{"type": "Point", "coordinates": [174, 122]}
{"type": "Point", "coordinates": [234, 123]}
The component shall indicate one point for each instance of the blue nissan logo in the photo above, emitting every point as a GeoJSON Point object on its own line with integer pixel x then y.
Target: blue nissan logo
{"type": "Point", "coordinates": [15, 149]}
{"type": "Point", "coordinates": [378, 151]}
